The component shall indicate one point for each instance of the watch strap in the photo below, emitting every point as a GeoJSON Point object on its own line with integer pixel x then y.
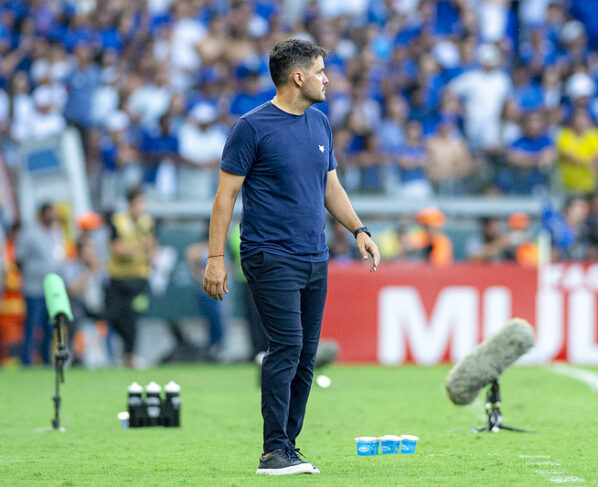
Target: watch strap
{"type": "Point", "coordinates": [362, 230]}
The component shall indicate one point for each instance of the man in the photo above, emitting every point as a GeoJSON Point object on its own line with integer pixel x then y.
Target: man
{"type": "Point", "coordinates": [483, 92]}
{"type": "Point", "coordinates": [429, 243]}
{"type": "Point", "coordinates": [132, 249]}
{"type": "Point", "coordinates": [281, 154]}
{"type": "Point", "coordinates": [449, 160]}
{"type": "Point", "coordinates": [530, 160]}
{"type": "Point", "coordinates": [40, 251]}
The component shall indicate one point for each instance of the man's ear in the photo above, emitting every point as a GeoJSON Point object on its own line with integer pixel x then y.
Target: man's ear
{"type": "Point", "coordinates": [298, 78]}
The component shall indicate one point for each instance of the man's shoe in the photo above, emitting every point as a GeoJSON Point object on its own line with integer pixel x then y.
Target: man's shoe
{"type": "Point", "coordinates": [284, 462]}
{"type": "Point", "coordinates": [296, 453]}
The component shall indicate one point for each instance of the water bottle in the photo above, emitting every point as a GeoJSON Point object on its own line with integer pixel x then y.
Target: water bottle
{"type": "Point", "coordinates": [135, 405]}
{"type": "Point", "coordinates": [153, 404]}
{"type": "Point", "coordinates": [171, 409]}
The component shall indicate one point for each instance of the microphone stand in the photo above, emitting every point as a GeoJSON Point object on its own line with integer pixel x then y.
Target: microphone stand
{"type": "Point", "coordinates": [494, 423]}
{"type": "Point", "coordinates": [61, 355]}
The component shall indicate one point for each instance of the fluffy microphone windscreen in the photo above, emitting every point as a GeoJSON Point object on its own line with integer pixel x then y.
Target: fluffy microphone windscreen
{"type": "Point", "coordinates": [488, 361]}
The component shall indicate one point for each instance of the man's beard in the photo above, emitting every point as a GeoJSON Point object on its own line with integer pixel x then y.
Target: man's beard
{"type": "Point", "coordinates": [314, 99]}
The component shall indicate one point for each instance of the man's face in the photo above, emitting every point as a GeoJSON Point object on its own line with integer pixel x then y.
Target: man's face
{"type": "Point", "coordinates": [48, 216]}
{"type": "Point", "coordinates": [533, 125]}
{"type": "Point", "coordinates": [137, 207]}
{"type": "Point", "coordinates": [314, 87]}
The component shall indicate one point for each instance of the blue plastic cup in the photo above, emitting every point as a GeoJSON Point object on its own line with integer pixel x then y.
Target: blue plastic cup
{"type": "Point", "coordinates": [408, 444]}
{"type": "Point", "coordinates": [367, 446]}
{"type": "Point", "coordinates": [390, 444]}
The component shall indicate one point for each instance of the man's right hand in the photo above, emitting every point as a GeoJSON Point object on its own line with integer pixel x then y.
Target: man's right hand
{"type": "Point", "coordinates": [215, 280]}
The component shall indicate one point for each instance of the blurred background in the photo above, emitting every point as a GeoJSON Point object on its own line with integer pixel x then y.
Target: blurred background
{"type": "Point", "coordinates": [466, 137]}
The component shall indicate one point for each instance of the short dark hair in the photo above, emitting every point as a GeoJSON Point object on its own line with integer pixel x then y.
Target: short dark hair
{"type": "Point", "coordinates": [134, 193]}
{"type": "Point", "coordinates": [44, 207]}
{"type": "Point", "coordinates": [291, 54]}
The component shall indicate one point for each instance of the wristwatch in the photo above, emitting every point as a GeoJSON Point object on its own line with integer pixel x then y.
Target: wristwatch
{"type": "Point", "coordinates": [362, 230]}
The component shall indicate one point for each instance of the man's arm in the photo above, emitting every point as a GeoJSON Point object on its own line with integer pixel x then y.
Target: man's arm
{"type": "Point", "coordinates": [215, 280]}
{"type": "Point", "coordinates": [521, 158]}
{"type": "Point", "coordinates": [338, 204]}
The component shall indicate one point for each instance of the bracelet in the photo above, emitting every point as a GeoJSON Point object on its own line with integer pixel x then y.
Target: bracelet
{"type": "Point", "coordinates": [213, 256]}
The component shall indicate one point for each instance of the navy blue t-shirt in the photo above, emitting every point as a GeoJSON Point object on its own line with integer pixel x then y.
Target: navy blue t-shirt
{"type": "Point", "coordinates": [285, 159]}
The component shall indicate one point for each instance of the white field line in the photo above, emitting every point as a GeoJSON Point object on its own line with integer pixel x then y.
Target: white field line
{"type": "Point", "coordinates": [585, 376]}
{"type": "Point", "coordinates": [566, 480]}
{"type": "Point", "coordinates": [554, 474]}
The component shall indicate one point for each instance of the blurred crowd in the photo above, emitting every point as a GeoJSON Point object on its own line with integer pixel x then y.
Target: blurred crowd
{"type": "Point", "coordinates": [426, 97]}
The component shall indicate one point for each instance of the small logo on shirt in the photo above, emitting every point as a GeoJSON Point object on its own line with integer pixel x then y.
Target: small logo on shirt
{"type": "Point", "coordinates": [321, 147]}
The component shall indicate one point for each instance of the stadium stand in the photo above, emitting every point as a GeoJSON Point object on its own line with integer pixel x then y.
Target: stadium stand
{"type": "Point", "coordinates": [480, 108]}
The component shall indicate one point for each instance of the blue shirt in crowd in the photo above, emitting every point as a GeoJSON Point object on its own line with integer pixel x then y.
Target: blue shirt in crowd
{"type": "Point", "coordinates": [516, 180]}
{"type": "Point", "coordinates": [285, 159]}
{"type": "Point", "coordinates": [417, 152]}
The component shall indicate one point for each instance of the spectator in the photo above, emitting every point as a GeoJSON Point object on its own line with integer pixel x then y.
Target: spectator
{"type": "Point", "coordinates": [46, 121]}
{"type": "Point", "coordinates": [510, 123]}
{"type": "Point", "coordinates": [39, 251]}
{"type": "Point", "coordinates": [412, 162]}
{"type": "Point", "coordinates": [490, 244]}
{"type": "Point", "coordinates": [372, 163]}
{"type": "Point", "coordinates": [495, 245]}
{"type": "Point", "coordinates": [187, 34]}
{"type": "Point", "coordinates": [12, 304]}
{"type": "Point", "coordinates": [84, 278]}
{"type": "Point", "coordinates": [251, 93]}
{"type": "Point", "coordinates": [132, 250]}
{"type": "Point", "coordinates": [121, 168]}
{"type": "Point", "coordinates": [196, 256]}
{"type": "Point", "coordinates": [530, 160]}
{"type": "Point", "coordinates": [577, 148]}
{"type": "Point", "coordinates": [105, 98]}
{"type": "Point", "coordinates": [579, 88]}
{"type": "Point", "coordinates": [200, 144]}
{"type": "Point", "coordinates": [576, 212]}
{"type": "Point", "coordinates": [394, 241]}
{"type": "Point", "coordinates": [591, 229]}
{"type": "Point", "coordinates": [429, 243]}
{"type": "Point", "coordinates": [484, 92]}
{"type": "Point", "coordinates": [391, 131]}
{"type": "Point", "coordinates": [151, 100]}
{"type": "Point", "coordinates": [449, 163]}
{"type": "Point", "coordinates": [22, 107]}
{"type": "Point", "coordinates": [81, 84]}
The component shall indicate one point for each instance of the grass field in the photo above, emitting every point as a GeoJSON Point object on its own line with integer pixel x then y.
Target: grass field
{"type": "Point", "coordinates": [220, 438]}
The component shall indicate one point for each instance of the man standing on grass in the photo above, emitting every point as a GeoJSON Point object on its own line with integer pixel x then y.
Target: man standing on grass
{"type": "Point", "coordinates": [281, 155]}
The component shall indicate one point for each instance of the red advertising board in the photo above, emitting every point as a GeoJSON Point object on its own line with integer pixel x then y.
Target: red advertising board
{"type": "Point", "coordinates": [418, 313]}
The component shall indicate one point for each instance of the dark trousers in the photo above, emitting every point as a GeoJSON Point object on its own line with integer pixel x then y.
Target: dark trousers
{"type": "Point", "coordinates": [259, 341]}
{"type": "Point", "coordinates": [120, 311]}
{"type": "Point", "coordinates": [289, 295]}
{"type": "Point", "coordinates": [37, 317]}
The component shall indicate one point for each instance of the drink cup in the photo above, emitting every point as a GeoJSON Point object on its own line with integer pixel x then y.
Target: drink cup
{"type": "Point", "coordinates": [390, 444]}
{"type": "Point", "coordinates": [367, 445]}
{"type": "Point", "coordinates": [408, 444]}
{"type": "Point", "coordinates": [124, 419]}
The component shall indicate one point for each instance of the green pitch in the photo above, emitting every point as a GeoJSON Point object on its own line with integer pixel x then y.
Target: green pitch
{"type": "Point", "coordinates": [220, 439]}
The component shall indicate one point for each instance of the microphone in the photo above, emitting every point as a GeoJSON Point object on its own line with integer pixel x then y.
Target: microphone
{"type": "Point", "coordinates": [488, 361]}
{"type": "Point", "coordinates": [57, 300]}
{"type": "Point", "coordinates": [59, 311]}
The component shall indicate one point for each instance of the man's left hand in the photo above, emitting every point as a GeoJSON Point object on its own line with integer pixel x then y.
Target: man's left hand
{"type": "Point", "coordinates": [366, 246]}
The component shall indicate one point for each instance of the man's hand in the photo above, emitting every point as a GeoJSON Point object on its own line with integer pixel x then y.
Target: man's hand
{"type": "Point", "coordinates": [215, 280]}
{"type": "Point", "coordinates": [366, 246]}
